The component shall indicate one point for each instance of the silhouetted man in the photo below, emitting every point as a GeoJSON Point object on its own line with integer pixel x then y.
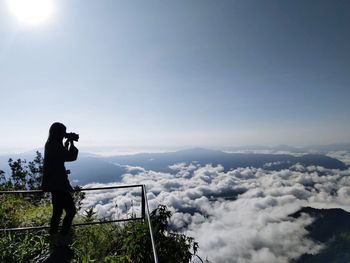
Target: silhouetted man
{"type": "Point", "coordinates": [55, 180]}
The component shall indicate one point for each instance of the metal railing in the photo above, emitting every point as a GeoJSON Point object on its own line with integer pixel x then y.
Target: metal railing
{"type": "Point", "coordinates": [145, 214]}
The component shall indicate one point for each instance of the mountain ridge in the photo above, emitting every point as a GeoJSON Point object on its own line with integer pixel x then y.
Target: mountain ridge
{"type": "Point", "coordinates": [93, 168]}
{"type": "Point", "coordinates": [331, 227]}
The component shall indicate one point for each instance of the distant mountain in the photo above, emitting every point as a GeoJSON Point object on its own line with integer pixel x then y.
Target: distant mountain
{"type": "Point", "coordinates": [89, 168]}
{"type": "Point", "coordinates": [161, 161]}
{"type": "Point", "coordinates": [331, 227]}
{"type": "Point", "coordinates": [321, 149]}
{"type": "Point", "coordinates": [92, 168]}
{"type": "Point", "coordinates": [259, 148]}
{"type": "Point", "coordinates": [329, 147]}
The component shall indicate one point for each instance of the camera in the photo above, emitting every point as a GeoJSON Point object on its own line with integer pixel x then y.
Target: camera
{"type": "Point", "coordinates": [71, 136]}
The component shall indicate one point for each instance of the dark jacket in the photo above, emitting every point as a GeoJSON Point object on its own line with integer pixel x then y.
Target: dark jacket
{"type": "Point", "coordinates": [55, 177]}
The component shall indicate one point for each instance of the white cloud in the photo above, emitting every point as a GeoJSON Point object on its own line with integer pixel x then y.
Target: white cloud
{"type": "Point", "coordinates": [236, 216]}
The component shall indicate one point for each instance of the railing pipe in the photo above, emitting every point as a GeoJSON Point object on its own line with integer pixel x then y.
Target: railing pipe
{"type": "Point", "coordinates": [75, 190]}
{"type": "Point", "coordinates": [143, 203]}
{"type": "Point", "coordinates": [150, 226]}
{"type": "Point", "coordinates": [78, 224]}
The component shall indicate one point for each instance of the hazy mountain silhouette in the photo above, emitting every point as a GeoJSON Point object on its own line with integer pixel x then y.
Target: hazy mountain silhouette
{"type": "Point", "coordinates": [92, 168]}
{"type": "Point", "coordinates": [331, 227]}
{"type": "Point", "coordinates": [161, 161]}
{"type": "Point", "coordinates": [322, 149]}
{"type": "Point", "coordinates": [330, 147]}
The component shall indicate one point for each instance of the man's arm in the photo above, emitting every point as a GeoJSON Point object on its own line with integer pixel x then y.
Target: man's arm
{"type": "Point", "coordinates": [71, 152]}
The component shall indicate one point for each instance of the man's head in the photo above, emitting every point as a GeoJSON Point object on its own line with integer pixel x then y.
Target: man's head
{"type": "Point", "coordinates": [57, 132]}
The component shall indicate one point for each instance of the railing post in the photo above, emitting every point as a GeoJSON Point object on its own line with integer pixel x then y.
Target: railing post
{"type": "Point", "coordinates": [143, 209]}
{"type": "Point", "coordinates": [155, 255]}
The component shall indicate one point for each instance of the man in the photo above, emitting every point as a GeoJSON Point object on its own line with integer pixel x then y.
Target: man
{"type": "Point", "coordinates": [55, 180]}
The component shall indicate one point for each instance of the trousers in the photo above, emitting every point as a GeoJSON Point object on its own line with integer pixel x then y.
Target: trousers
{"type": "Point", "coordinates": [62, 201]}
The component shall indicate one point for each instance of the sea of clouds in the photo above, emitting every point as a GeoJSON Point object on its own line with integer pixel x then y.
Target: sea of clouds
{"type": "Point", "coordinates": [241, 215]}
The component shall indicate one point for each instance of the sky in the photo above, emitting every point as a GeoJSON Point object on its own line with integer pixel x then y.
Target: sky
{"type": "Point", "coordinates": [177, 73]}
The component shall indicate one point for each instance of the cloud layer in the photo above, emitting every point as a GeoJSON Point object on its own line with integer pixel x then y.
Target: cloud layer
{"type": "Point", "coordinates": [236, 216]}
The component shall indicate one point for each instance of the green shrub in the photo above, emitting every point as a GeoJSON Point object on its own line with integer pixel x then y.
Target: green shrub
{"type": "Point", "coordinates": [22, 247]}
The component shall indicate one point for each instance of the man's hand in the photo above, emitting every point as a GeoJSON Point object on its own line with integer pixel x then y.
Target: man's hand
{"type": "Point", "coordinates": [66, 144]}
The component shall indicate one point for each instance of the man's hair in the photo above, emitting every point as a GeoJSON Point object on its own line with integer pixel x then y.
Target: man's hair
{"type": "Point", "coordinates": [56, 132]}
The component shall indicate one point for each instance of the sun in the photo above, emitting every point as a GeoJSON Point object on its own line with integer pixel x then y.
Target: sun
{"type": "Point", "coordinates": [32, 12]}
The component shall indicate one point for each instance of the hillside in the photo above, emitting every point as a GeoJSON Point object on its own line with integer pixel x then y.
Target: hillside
{"type": "Point", "coordinates": [331, 227]}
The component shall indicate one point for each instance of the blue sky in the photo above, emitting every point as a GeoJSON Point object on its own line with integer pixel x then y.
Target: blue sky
{"type": "Point", "coordinates": [178, 73]}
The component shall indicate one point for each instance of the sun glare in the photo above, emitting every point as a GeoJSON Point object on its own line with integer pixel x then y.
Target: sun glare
{"type": "Point", "coordinates": [32, 12]}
